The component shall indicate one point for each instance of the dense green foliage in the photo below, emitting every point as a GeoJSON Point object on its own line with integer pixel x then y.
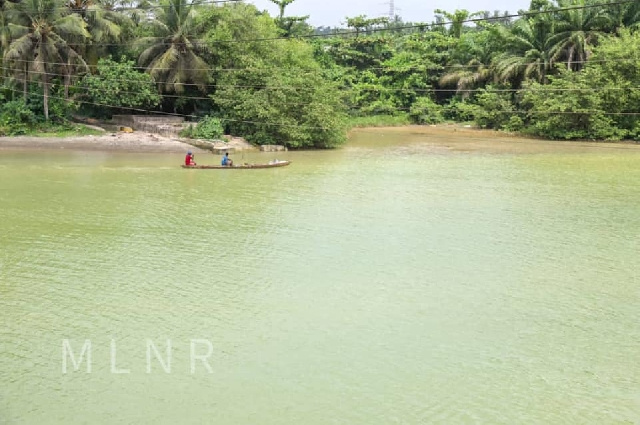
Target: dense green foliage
{"type": "Point", "coordinates": [119, 85]}
{"type": "Point", "coordinates": [275, 93]}
{"type": "Point", "coordinates": [565, 69]}
{"type": "Point", "coordinates": [15, 118]}
{"type": "Point", "coordinates": [209, 128]}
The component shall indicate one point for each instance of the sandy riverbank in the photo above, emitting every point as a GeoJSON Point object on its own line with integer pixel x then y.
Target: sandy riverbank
{"type": "Point", "coordinates": [134, 142]}
{"type": "Point", "coordinates": [450, 137]}
{"type": "Point", "coordinates": [458, 138]}
{"type": "Point", "coordinates": [131, 142]}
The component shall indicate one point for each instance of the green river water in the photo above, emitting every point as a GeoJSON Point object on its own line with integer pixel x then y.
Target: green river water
{"type": "Point", "coordinates": [394, 281]}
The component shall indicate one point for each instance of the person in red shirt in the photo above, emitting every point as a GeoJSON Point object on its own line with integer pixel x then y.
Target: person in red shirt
{"type": "Point", "coordinates": [189, 160]}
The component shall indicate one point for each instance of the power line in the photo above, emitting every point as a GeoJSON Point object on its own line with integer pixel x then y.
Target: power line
{"type": "Point", "coordinates": [322, 70]}
{"type": "Point", "coordinates": [146, 111]}
{"type": "Point", "coordinates": [362, 88]}
{"type": "Point", "coordinates": [530, 112]}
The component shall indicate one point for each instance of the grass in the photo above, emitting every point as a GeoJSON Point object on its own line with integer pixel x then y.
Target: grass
{"type": "Point", "coordinates": [380, 121]}
{"type": "Point", "coordinates": [62, 130]}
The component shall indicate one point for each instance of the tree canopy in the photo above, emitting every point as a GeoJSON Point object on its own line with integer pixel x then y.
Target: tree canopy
{"type": "Point", "coordinates": [562, 69]}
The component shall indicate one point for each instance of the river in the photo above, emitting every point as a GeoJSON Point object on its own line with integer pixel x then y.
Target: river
{"type": "Point", "coordinates": [404, 278]}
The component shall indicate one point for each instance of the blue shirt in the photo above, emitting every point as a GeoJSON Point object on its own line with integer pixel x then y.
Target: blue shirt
{"type": "Point", "coordinates": [225, 160]}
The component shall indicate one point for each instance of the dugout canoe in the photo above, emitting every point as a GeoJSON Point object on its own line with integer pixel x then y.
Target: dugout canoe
{"type": "Point", "coordinates": [239, 166]}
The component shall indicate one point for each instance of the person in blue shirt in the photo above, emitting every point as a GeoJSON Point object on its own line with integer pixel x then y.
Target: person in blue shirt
{"type": "Point", "coordinates": [226, 161]}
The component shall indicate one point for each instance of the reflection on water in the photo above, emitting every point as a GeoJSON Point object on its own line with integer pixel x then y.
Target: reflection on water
{"type": "Point", "coordinates": [411, 277]}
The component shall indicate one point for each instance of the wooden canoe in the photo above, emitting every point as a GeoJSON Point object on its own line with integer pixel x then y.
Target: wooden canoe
{"type": "Point", "coordinates": [239, 166]}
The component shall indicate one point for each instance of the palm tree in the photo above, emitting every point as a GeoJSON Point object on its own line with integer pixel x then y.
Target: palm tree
{"type": "Point", "coordinates": [623, 15]}
{"type": "Point", "coordinates": [576, 30]}
{"type": "Point", "coordinates": [40, 37]}
{"type": "Point", "coordinates": [528, 50]}
{"type": "Point", "coordinates": [5, 21]}
{"type": "Point", "coordinates": [5, 34]}
{"type": "Point", "coordinates": [456, 19]}
{"type": "Point", "coordinates": [105, 26]}
{"type": "Point", "coordinates": [466, 77]}
{"type": "Point", "coordinates": [474, 67]}
{"type": "Point", "coordinates": [173, 57]}
{"type": "Point", "coordinates": [103, 21]}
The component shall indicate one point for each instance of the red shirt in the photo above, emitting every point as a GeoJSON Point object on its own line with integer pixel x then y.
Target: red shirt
{"type": "Point", "coordinates": [187, 160]}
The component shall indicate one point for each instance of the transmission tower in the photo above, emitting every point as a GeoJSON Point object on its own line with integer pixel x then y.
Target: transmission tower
{"type": "Point", "coordinates": [392, 10]}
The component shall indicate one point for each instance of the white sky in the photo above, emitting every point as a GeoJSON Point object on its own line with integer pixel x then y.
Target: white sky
{"type": "Point", "coordinates": [333, 12]}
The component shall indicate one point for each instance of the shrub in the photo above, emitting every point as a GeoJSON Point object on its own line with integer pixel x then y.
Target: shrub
{"type": "Point", "coordinates": [60, 110]}
{"type": "Point", "coordinates": [515, 123]}
{"type": "Point", "coordinates": [379, 107]}
{"type": "Point", "coordinates": [187, 132]}
{"type": "Point", "coordinates": [16, 118]}
{"type": "Point", "coordinates": [119, 85]}
{"type": "Point", "coordinates": [580, 115]}
{"type": "Point", "coordinates": [426, 111]}
{"type": "Point", "coordinates": [494, 109]}
{"type": "Point", "coordinates": [207, 128]}
{"type": "Point", "coordinates": [459, 110]}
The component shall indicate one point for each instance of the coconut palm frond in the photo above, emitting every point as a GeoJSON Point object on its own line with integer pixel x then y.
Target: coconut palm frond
{"type": "Point", "coordinates": [19, 48]}
{"type": "Point", "coordinates": [151, 53]}
{"type": "Point", "coordinates": [71, 26]}
{"type": "Point", "coordinates": [175, 61]}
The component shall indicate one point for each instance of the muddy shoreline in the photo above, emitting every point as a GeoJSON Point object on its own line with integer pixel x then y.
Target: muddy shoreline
{"type": "Point", "coordinates": [473, 139]}
{"type": "Point", "coordinates": [132, 142]}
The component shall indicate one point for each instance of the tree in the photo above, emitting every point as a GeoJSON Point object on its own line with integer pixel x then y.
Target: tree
{"type": "Point", "coordinates": [599, 102]}
{"type": "Point", "coordinates": [119, 85]}
{"type": "Point", "coordinates": [456, 19]}
{"type": "Point", "coordinates": [472, 64]}
{"type": "Point", "coordinates": [103, 23]}
{"type": "Point", "coordinates": [576, 31]}
{"type": "Point", "coordinates": [173, 56]}
{"type": "Point", "coordinates": [282, 5]}
{"type": "Point", "coordinates": [277, 93]}
{"type": "Point", "coordinates": [362, 24]}
{"type": "Point", "coordinates": [294, 26]}
{"type": "Point", "coordinates": [40, 38]}
{"type": "Point", "coordinates": [467, 76]}
{"type": "Point", "coordinates": [528, 50]}
{"type": "Point", "coordinates": [623, 15]}
{"type": "Point", "coordinates": [5, 33]}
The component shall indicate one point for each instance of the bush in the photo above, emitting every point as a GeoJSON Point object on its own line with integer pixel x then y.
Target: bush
{"type": "Point", "coordinates": [459, 110]}
{"type": "Point", "coordinates": [570, 108]}
{"type": "Point", "coordinates": [493, 110]}
{"type": "Point", "coordinates": [581, 115]}
{"type": "Point", "coordinates": [396, 120]}
{"type": "Point", "coordinates": [208, 128]}
{"type": "Point", "coordinates": [187, 132]}
{"type": "Point", "coordinates": [515, 124]}
{"type": "Point", "coordinates": [16, 118]}
{"type": "Point", "coordinates": [426, 111]}
{"type": "Point", "coordinates": [119, 85]}
{"type": "Point", "coordinates": [379, 107]}
{"type": "Point", "coordinates": [60, 110]}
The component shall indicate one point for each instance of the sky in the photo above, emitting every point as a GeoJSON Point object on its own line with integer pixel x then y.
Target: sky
{"type": "Point", "coordinates": [333, 12]}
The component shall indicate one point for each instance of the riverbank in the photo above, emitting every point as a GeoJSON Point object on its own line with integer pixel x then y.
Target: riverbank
{"type": "Point", "coordinates": [453, 137]}
{"type": "Point", "coordinates": [462, 138]}
{"type": "Point", "coordinates": [134, 142]}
